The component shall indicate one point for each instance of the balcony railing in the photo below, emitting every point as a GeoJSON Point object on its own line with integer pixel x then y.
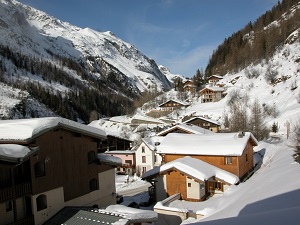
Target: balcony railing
{"type": "Point", "coordinates": [20, 189]}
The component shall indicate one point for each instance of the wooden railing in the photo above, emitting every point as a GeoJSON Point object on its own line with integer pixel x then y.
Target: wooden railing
{"type": "Point", "coordinates": [20, 189]}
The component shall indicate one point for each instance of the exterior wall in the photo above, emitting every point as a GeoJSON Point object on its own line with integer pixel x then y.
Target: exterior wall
{"type": "Point", "coordinates": [160, 186]}
{"type": "Point", "coordinates": [6, 217]}
{"type": "Point", "coordinates": [104, 196]}
{"type": "Point", "coordinates": [128, 168]}
{"type": "Point", "coordinates": [176, 183]}
{"type": "Point", "coordinates": [55, 202]}
{"type": "Point", "coordinates": [205, 124]}
{"type": "Point", "coordinates": [149, 159]}
{"type": "Point", "coordinates": [218, 161]}
{"type": "Point", "coordinates": [245, 162]}
{"type": "Point", "coordinates": [194, 191]}
{"type": "Point", "coordinates": [65, 154]}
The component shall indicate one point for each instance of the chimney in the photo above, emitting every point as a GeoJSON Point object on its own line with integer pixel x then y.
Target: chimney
{"type": "Point", "coordinates": [241, 134]}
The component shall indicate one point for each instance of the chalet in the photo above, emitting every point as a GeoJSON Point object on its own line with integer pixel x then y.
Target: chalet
{"type": "Point", "coordinates": [194, 179]}
{"type": "Point", "coordinates": [172, 105]}
{"type": "Point", "coordinates": [214, 79]}
{"type": "Point", "coordinates": [185, 128]}
{"type": "Point", "coordinates": [128, 161]}
{"type": "Point", "coordinates": [189, 86]}
{"type": "Point", "coordinates": [146, 156]}
{"type": "Point", "coordinates": [212, 94]}
{"type": "Point", "coordinates": [49, 163]}
{"type": "Point", "coordinates": [231, 152]}
{"type": "Point", "coordinates": [205, 123]}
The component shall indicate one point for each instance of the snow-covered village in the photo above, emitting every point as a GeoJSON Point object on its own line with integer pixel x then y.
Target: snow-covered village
{"type": "Point", "coordinates": [92, 131]}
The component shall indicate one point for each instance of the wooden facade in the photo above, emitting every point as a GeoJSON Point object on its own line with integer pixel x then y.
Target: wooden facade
{"type": "Point", "coordinates": [205, 123]}
{"type": "Point", "coordinates": [65, 161]}
{"type": "Point", "coordinates": [172, 105]}
{"type": "Point", "coordinates": [211, 94]}
{"type": "Point", "coordinates": [237, 165]}
{"type": "Point", "coordinates": [189, 86]}
{"type": "Point", "coordinates": [113, 143]}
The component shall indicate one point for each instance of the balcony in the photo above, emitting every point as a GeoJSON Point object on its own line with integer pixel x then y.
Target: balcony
{"type": "Point", "coordinates": [18, 190]}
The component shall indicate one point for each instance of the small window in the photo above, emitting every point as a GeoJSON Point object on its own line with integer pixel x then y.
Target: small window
{"type": "Point", "coordinates": [93, 185]}
{"type": "Point", "coordinates": [41, 202]}
{"type": "Point", "coordinates": [143, 149]}
{"type": "Point", "coordinates": [228, 160]}
{"type": "Point", "coordinates": [143, 159]}
{"type": "Point", "coordinates": [8, 206]}
{"type": "Point", "coordinates": [189, 185]}
{"type": "Point", "coordinates": [39, 169]}
{"type": "Point", "coordinates": [91, 156]}
{"type": "Point", "coordinates": [129, 162]}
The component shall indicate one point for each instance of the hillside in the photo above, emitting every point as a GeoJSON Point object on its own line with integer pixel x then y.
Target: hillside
{"type": "Point", "coordinates": [72, 71]}
{"type": "Point", "coordinates": [258, 40]}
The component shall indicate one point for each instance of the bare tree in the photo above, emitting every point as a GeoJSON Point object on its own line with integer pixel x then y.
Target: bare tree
{"type": "Point", "coordinates": [295, 137]}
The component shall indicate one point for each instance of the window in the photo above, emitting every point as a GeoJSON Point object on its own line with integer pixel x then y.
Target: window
{"type": "Point", "coordinates": [228, 160]}
{"type": "Point", "coordinates": [8, 206]}
{"type": "Point", "coordinates": [155, 158]}
{"type": "Point", "coordinates": [93, 185]}
{"type": "Point", "coordinates": [41, 202]}
{"type": "Point", "coordinates": [39, 169]}
{"type": "Point", "coordinates": [143, 149]}
{"type": "Point", "coordinates": [189, 185]}
{"type": "Point", "coordinates": [143, 159]}
{"type": "Point", "coordinates": [91, 156]}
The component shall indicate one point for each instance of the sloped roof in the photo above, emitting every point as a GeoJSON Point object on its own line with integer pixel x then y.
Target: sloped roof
{"type": "Point", "coordinates": [221, 144]}
{"type": "Point", "coordinates": [150, 141]}
{"type": "Point", "coordinates": [195, 168]}
{"type": "Point", "coordinates": [213, 88]}
{"type": "Point", "coordinates": [171, 100]}
{"type": "Point", "coordinates": [14, 153]}
{"type": "Point", "coordinates": [215, 76]}
{"type": "Point", "coordinates": [203, 118]}
{"type": "Point", "coordinates": [26, 129]}
{"type": "Point", "coordinates": [188, 128]}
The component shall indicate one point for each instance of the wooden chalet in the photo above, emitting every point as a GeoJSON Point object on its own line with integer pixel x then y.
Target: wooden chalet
{"type": "Point", "coordinates": [231, 152]}
{"type": "Point", "coordinates": [205, 123]}
{"type": "Point", "coordinates": [214, 79]}
{"type": "Point", "coordinates": [189, 86]}
{"type": "Point", "coordinates": [194, 179]}
{"type": "Point", "coordinates": [212, 94]}
{"type": "Point", "coordinates": [172, 105]}
{"type": "Point", "coordinates": [47, 164]}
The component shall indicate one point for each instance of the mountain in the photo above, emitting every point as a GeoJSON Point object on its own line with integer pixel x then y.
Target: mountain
{"type": "Point", "coordinates": [57, 64]}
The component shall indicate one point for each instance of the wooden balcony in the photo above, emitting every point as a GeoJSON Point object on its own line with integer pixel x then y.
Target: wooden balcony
{"type": "Point", "coordinates": [17, 191]}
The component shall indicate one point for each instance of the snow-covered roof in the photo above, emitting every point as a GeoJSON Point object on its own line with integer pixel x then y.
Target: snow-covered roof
{"type": "Point", "coordinates": [195, 168]}
{"type": "Point", "coordinates": [187, 127]}
{"type": "Point", "coordinates": [124, 152]}
{"type": "Point", "coordinates": [109, 131]}
{"type": "Point", "coordinates": [203, 118]}
{"type": "Point", "coordinates": [171, 100]}
{"type": "Point", "coordinates": [213, 88]}
{"type": "Point", "coordinates": [215, 76]}
{"type": "Point", "coordinates": [151, 142]}
{"type": "Point", "coordinates": [26, 129]}
{"type": "Point", "coordinates": [229, 144]}
{"type": "Point", "coordinates": [108, 159]}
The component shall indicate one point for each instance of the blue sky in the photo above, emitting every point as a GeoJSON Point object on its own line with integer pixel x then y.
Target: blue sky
{"type": "Point", "coordinates": [179, 34]}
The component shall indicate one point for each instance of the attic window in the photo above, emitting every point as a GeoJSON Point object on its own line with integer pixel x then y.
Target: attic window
{"type": "Point", "coordinates": [143, 149]}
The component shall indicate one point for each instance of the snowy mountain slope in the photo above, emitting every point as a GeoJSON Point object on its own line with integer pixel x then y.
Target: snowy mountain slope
{"type": "Point", "coordinates": [34, 32]}
{"type": "Point", "coordinates": [67, 61]}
